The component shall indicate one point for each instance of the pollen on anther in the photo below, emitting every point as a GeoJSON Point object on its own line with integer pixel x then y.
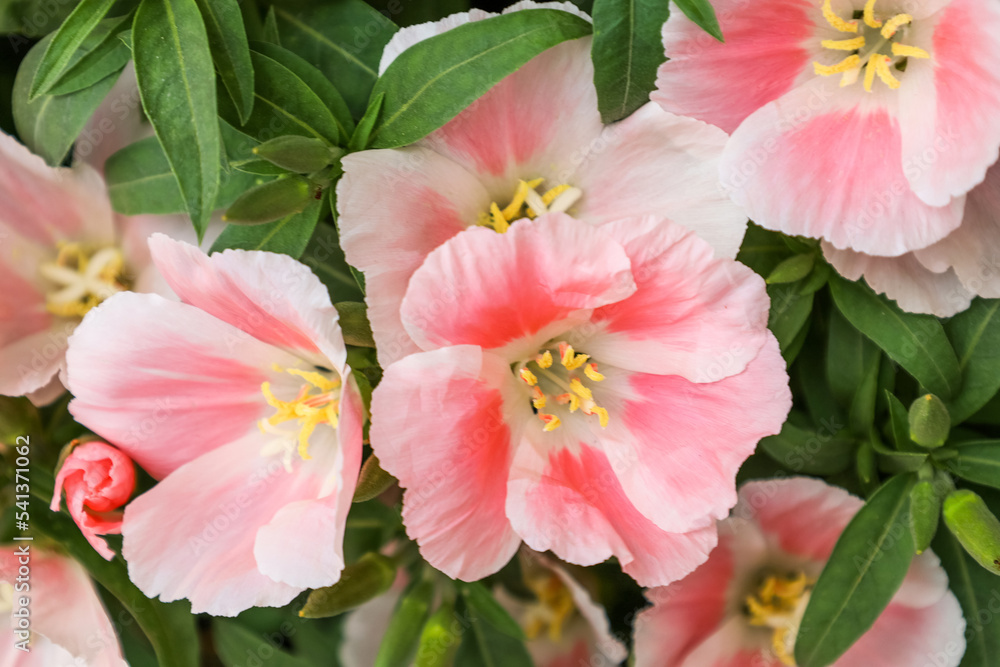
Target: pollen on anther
{"type": "Point", "coordinates": [544, 360]}
{"type": "Point", "coordinates": [528, 377]}
{"type": "Point", "coordinates": [551, 422]}
{"type": "Point", "coordinates": [590, 370]}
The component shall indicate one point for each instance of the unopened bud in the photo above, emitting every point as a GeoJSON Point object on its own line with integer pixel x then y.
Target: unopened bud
{"type": "Point", "coordinates": [792, 269]}
{"type": "Point", "coordinates": [400, 639]}
{"type": "Point", "coordinates": [930, 422]}
{"type": "Point", "coordinates": [271, 201]}
{"type": "Point", "coordinates": [360, 582]}
{"type": "Point", "coordinates": [975, 527]}
{"type": "Point", "coordinates": [437, 639]}
{"type": "Point", "coordinates": [925, 509]}
{"type": "Point", "coordinates": [301, 155]}
{"type": "Point", "coordinates": [372, 481]}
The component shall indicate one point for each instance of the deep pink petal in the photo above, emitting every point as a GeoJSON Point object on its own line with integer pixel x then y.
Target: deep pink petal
{"type": "Point", "coordinates": [388, 237]}
{"type": "Point", "coordinates": [723, 83]}
{"type": "Point", "coordinates": [680, 444]}
{"type": "Point", "coordinates": [166, 382]}
{"type": "Point", "coordinates": [949, 103]}
{"type": "Point", "coordinates": [572, 503]}
{"type": "Point", "coordinates": [691, 315]}
{"type": "Point", "coordinates": [822, 161]}
{"type": "Point", "coordinates": [439, 425]}
{"type": "Point", "coordinates": [656, 163]}
{"type": "Point", "coordinates": [494, 290]}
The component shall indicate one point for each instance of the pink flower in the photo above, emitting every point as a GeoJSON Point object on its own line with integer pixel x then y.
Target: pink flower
{"type": "Point", "coordinates": [533, 143]}
{"type": "Point", "coordinates": [742, 607]}
{"type": "Point", "coordinates": [867, 132]}
{"type": "Point", "coordinates": [68, 623]}
{"type": "Point", "coordinates": [240, 401]}
{"type": "Point", "coordinates": [591, 391]}
{"type": "Point", "coordinates": [98, 479]}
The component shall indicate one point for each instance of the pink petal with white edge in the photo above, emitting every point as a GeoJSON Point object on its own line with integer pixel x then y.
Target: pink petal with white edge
{"type": "Point", "coordinates": [440, 426]}
{"type": "Point", "coordinates": [688, 312]}
{"type": "Point", "coordinates": [270, 296]}
{"type": "Point", "coordinates": [906, 280]}
{"type": "Point", "coordinates": [723, 83]}
{"type": "Point", "coordinates": [572, 503]}
{"type": "Point", "coordinates": [325, 515]}
{"type": "Point", "coordinates": [605, 643]}
{"type": "Point", "coordinates": [730, 646]}
{"type": "Point", "coordinates": [822, 161]}
{"type": "Point", "coordinates": [679, 444]}
{"type": "Point", "coordinates": [46, 204]}
{"type": "Point", "coordinates": [31, 364]}
{"type": "Point", "coordinates": [949, 103]}
{"type": "Point", "coordinates": [933, 635]}
{"type": "Point", "coordinates": [65, 609]}
{"type": "Point", "coordinates": [514, 289]}
{"type": "Point", "coordinates": [165, 381]}
{"type": "Point", "coordinates": [388, 238]}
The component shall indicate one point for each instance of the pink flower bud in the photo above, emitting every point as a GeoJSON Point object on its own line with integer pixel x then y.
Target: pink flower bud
{"type": "Point", "coordinates": [98, 479]}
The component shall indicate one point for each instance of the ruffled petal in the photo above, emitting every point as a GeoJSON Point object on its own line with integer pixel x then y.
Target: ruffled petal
{"type": "Point", "coordinates": [166, 382]}
{"type": "Point", "coordinates": [440, 426]}
{"type": "Point", "coordinates": [514, 289]}
{"type": "Point", "coordinates": [571, 502]}
{"type": "Point", "coordinates": [723, 83]}
{"type": "Point", "coordinates": [691, 315]}
{"type": "Point", "coordinates": [388, 238]}
{"type": "Point", "coordinates": [30, 364]}
{"type": "Point", "coordinates": [822, 161]}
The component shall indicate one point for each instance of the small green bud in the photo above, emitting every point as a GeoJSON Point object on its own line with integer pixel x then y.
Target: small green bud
{"type": "Point", "coordinates": [792, 269]}
{"type": "Point", "coordinates": [360, 582]}
{"type": "Point", "coordinates": [271, 201]}
{"type": "Point", "coordinates": [975, 527]}
{"type": "Point", "coordinates": [925, 509]}
{"type": "Point", "coordinates": [929, 421]}
{"type": "Point", "coordinates": [18, 417]}
{"type": "Point", "coordinates": [301, 155]}
{"type": "Point", "coordinates": [354, 323]}
{"type": "Point", "coordinates": [400, 639]}
{"type": "Point", "coordinates": [372, 481]}
{"type": "Point", "coordinates": [437, 640]}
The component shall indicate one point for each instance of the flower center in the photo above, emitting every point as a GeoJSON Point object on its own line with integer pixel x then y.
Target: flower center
{"type": "Point", "coordinates": [318, 402]}
{"type": "Point", "coordinates": [554, 607]}
{"type": "Point", "coordinates": [527, 199]}
{"type": "Point", "coordinates": [778, 604]}
{"type": "Point", "coordinates": [875, 49]}
{"type": "Point", "coordinates": [563, 386]}
{"type": "Point", "coordinates": [82, 279]}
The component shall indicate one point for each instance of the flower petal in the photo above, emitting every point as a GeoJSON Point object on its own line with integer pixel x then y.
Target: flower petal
{"type": "Point", "coordinates": [388, 238]}
{"type": "Point", "coordinates": [572, 503]}
{"type": "Point", "coordinates": [514, 289]}
{"type": "Point", "coordinates": [625, 176]}
{"type": "Point", "coordinates": [166, 382]}
{"type": "Point", "coordinates": [439, 425]}
{"type": "Point", "coordinates": [822, 162]}
{"type": "Point", "coordinates": [723, 83]}
{"type": "Point", "coordinates": [691, 315]}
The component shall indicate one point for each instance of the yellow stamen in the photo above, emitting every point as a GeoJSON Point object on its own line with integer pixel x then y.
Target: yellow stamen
{"type": "Point", "coordinates": [580, 390]}
{"type": "Point", "coordinates": [844, 44]}
{"type": "Point", "coordinates": [83, 280]}
{"type": "Point", "coordinates": [894, 24]}
{"type": "Point", "coordinates": [310, 410]}
{"type": "Point", "coordinates": [538, 398]}
{"type": "Point", "coordinates": [590, 370]}
{"type": "Point", "coordinates": [497, 219]}
{"type": "Point", "coordinates": [779, 603]}
{"type": "Point", "coordinates": [551, 422]}
{"type": "Point", "coordinates": [883, 71]}
{"type": "Point", "coordinates": [555, 606]}
{"type": "Point", "coordinates": [602, 415]}
{"type": "Point", "coordinates": [870, 72]}
{"type": "Point", "coordinates": [848, 63]}
{"type": "Point", "coordinates": [837, 22]}
{"type": "Point", "coordinates": [528, 377]}
{"type": "Point", "coordinates": [909, 51]}
{"type": "Point", "coordinates": [572, 399]}
{"type": "Point", "coordinates": [544, 360]}
{"type": "Point", "coordinates": [551, 195]}
{"type": "Point", "coordinates": [869, 14]}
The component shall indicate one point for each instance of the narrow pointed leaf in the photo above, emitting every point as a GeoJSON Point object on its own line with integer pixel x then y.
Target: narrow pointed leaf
{"type": "Point", "coordinates": [102, 54]}
{"type": "Point", "coordinates": [230, 50]}
{"type": "Point", "coordinates": [289, 235]}
{"type": "Point", "coordinates": [977, 461]}
{"type": "Point", "coordinates": [173, 65]}
{"type": "Point", "coordinates": [483, 603]}
{"type": "Point", "coordinates": [975, 334]}
{"type": "Point", "coordinates": [65, 42]}
{"type": "Point", "coordinates": [234, 643]}
{"type": "Point", "coordinates": [702, 13]}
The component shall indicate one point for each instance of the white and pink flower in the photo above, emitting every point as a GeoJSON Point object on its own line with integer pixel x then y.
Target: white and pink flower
{"type": "Point", "coordinates": [862, 122]}
{"type": "Point", "coordinates": [743, 607]}
{"type": "Point", "coordinates": [533, 143]}
{"type": "Point", "coordinates": [239, 400]}
{"type": "Point", "coordinates": [68, 625]}
{"type": "Point", "coordinates": [98, 479]}
{"type": "Point", "coordinates": [589, 390]}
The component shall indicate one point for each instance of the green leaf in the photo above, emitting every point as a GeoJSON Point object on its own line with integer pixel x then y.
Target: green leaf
{"type": "Point", "coordinates": [230, 50]}
{"type": "Point", "coordinates": [285, 105]}
{"type": "Point", "coordinates": [977, 461]}
{"type": "Point", "coordinates": [762, 250]}
{"type": "Point", "coordinates": [861, 416]}
{"type": "Point", "coordinates": [401, 637]}
{"type": "Point", "coordinates": [327, 261]}
{"type": "Point", "coordinates": [296, 154]}
{"type": "Point", "coordinates": [65, 42]}
{"type": "Point", "coordinates": [864, 571]}
{"type": "Point", "coordinates": [360, 582]}
{"type": "Point", "coordinates": [237, 646]}
{"type": "Point", "coordinates": [900, 425]}
{"type": "Point", "coordinates": [344, 40]}
{"type": "Point", "coordinates": [362, 134]}
{"type": "Point", "coordinates": [173, 66]}
{"type": "Point", "coordinates": [894, 461]}
{"type": "Point", "coordinates": [975, 333]}
{"type": "Point", "coordinates": [373, 481]}
{"type": "Point", "coordinates": [627, 50]}
{"type": "Point", "coordinates": [976, 590]}
{"type": "Point", "coordinates": [849, 356]}
{"type": "Point", "coordinates": [486, 646]}
{"type": "Point", "coordinates": [50, 124]}
{"type": "Point", "coordinates": [288, 236]}
{"type": "Point", "coordinates": [486, 607]}
{"type": "Point", "coordinates": [916, 342]}
{"type": "Point", "coordinates": [271, 201]}
{"type": "Point", "coordinates": [701, 12]}
{"type": "Point", "coordinates": [354, 323]}
{"type": "Point", "coordinates": [433, 80]}
{"type": "Point", "coordinates": [809, 451]}
{"type": "Point", "coordinates": [316, 81]}
{"type": "Point", "coordinates": [437, 639]}
{"type": "Point", "coordinates": [793, 269]}
{"type": "Point", "coordinates": [102, 54]}
{"type": "Point", "coordinates": [788, 316]}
